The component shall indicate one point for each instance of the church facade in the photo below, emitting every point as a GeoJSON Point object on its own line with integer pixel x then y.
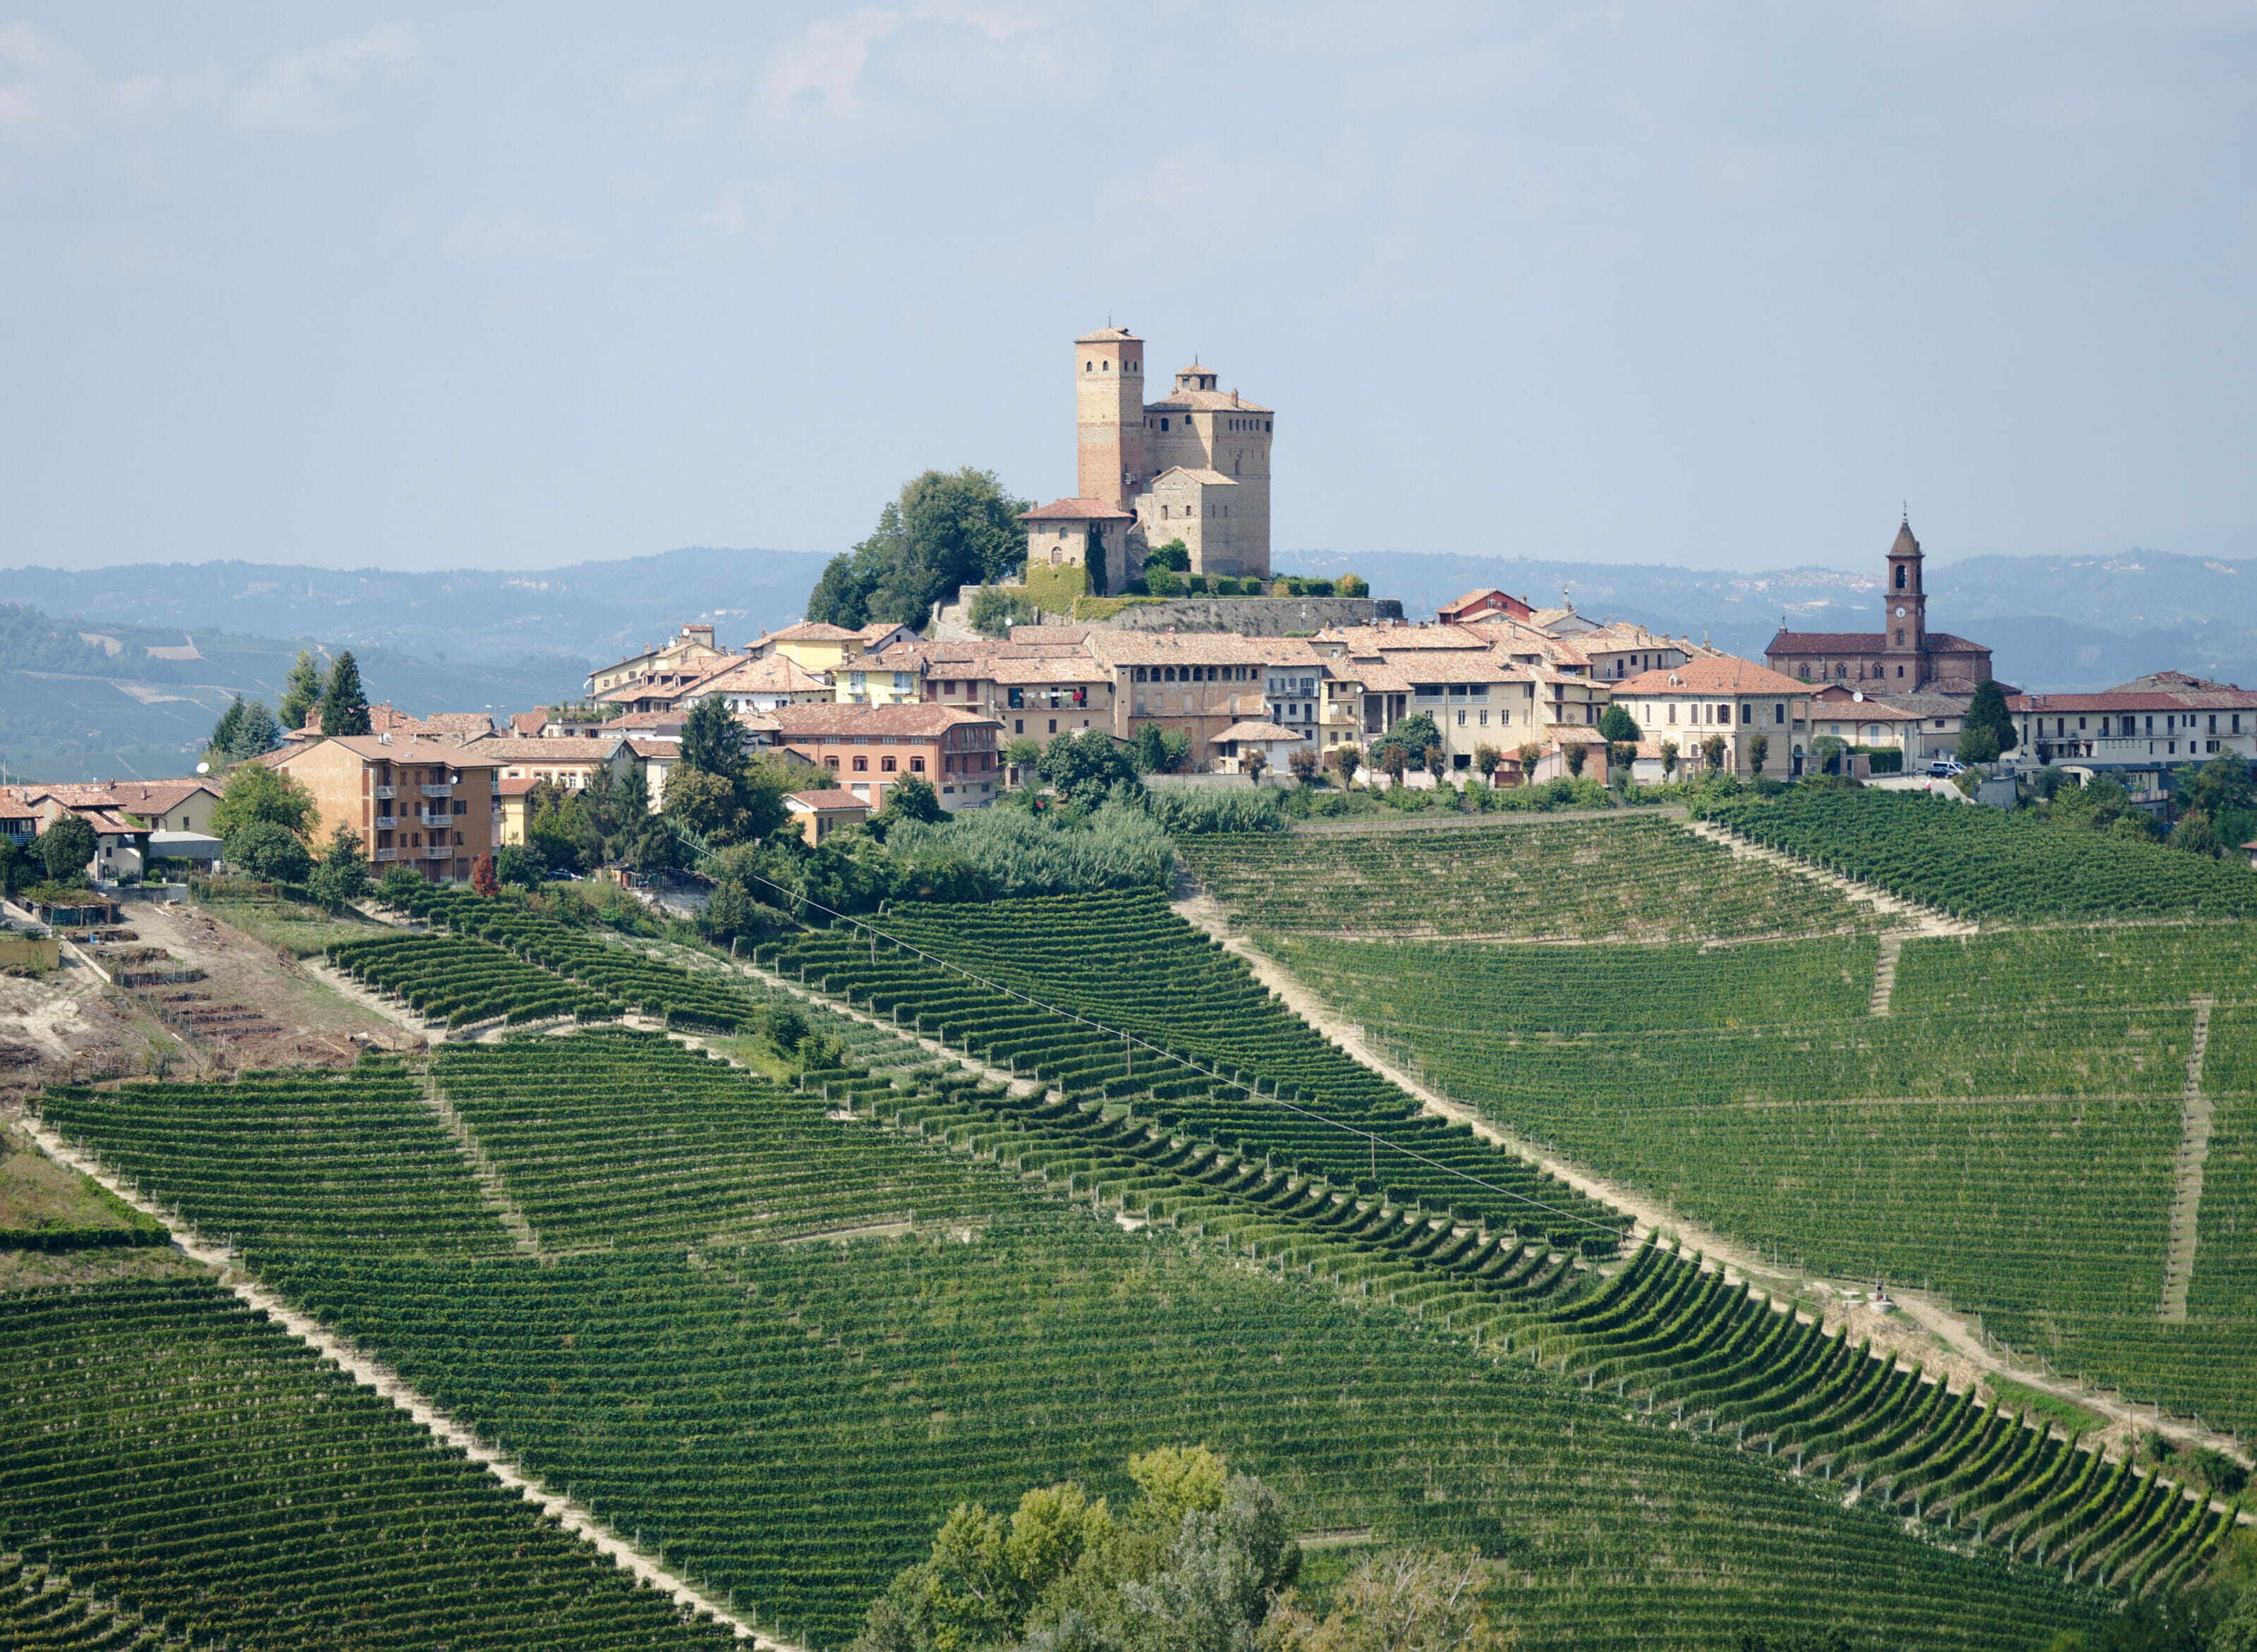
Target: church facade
{"type": "Point", "coordinates": [1903, 658]}
{"type": "Point", "coordinates": [1192, 464]}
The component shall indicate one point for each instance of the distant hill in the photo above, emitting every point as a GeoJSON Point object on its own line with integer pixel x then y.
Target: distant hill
{"type": "Point", "coordinates": [592, 611]}
{"type": "Point", "coordinates": [85, 700]}
{"type": "Point", "coordinates": [2059, 623]}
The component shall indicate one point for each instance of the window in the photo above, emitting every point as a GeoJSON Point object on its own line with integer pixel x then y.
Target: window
{"type": "Point", "coordinates": [1484, 720]}
{"type": "Point", "coordinates": [917, 765]}
{"type": "Point", "coordinates": [1900, 670]}
{"type": "Point", "coordinates": [1900, 639]}
{"type": "Point", "coordinates": [1747, 714]}
{"type": "Point", "coordinates": [1054, 725]}
{"type": "Point", "coordinates": [830, 760]}
{"type": "Point", "coordinates": [1673, 710]}
{"type": "Point", "coordinates": [1461, 719]}
{"type": "Point", "coordinates": [1900, 577]}
{"type": "Point", "coordinates": [1778, 714]}
{"type": "Point", "coordinates": [861, 765]}
{"type": "Point", "coordinates": [885, 765]}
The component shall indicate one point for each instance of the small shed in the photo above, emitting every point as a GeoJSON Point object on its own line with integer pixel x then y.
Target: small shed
{"type": "Point", "coordinates": [183, 846]}
{"type": "Point", "coordinates": [1274, 742]}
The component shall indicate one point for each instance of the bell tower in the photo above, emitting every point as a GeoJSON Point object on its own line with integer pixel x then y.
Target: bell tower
{"type": "Point", "coordinates": [1903, 612]}
{"type": "Point", "coordinates": [1108, 375]}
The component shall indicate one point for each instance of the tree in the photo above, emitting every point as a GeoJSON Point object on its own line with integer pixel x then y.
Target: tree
{"type": "Point", "coordinates": [1161, 581]}
{"type": "Point", "coordinates": [224, 732]}
{"type": "Point", "coordinates": [15, 867]}
{"type": "Point", "coordinates": [1254, 763]}
{"type": "Point", "coordinates": [1576, 754]}
{"type": "Point", "coordinates": [1620, 754]}
{"type": "Point", "coordinates": [1668, 760]}
{"type": "Point", "coordinates": [729, 910]}
{"type": "Point", "coordinates": [256, 793]}
{"type": "Point", "coordinates": [912, 797]}
{"type": "Point", "coordinates": [713, 739]}
{"type": "Point", "coordinates": [1175, 556]}
{"type": "Point", "coordinates": [945, 529]}
{"type": "Point", "coordinates": [1404, 1600]}
{"type": "Point", "coordinates": [302, 691]}
{"type": "Point", "coordinates": [1346, 761]}
{"type": "Point", "coordinates": [1759, 754]}
{"type": "Point", "coordinates": [482, 876]}
{"type": "Point", "coordinates": [1616, 724]}
{"type": "Point", "coordinates": [398, 885]}
{"type": "Point", "coordinates": [243, 732]}
{"type": "Point", "coordinates": [342, 875]}
{"type": "Point", "coordinates": [1978, 744]}
{"type": "Point", "coordinates": [1302, 760]}
{"type": "Point", "coordinates": [1024, 754]}
{"type": "Point", "coordinates": [1086, 766]}
{"type": "Point", "coordinates": [1712, 751]}
{"type": "Point", "coordinates": [1988, 710]}
{"type": "Point", "coordinates": [344, 706]}
{"type": "Point", "coordinates": [559, 828]}
{"type": "Point", "coordinates": [268, 850]}
{"type": "Point", "coordinates": [1394, 759]}
{"type": "Point", "coordinates": [1350, 585]}
{"type": "Point", "coordinates": [1412, 735]}
{"type": "Point", "coordinates": [2195, 834]}
{"type": "Point", "coordinates": [1529, 755]}
{"type": "Point", "coordinates": [67, 847]}
{"type": "Point", "coordinates": [1487, 760]}
{"type": "Point", "coordinates": [518, 865]}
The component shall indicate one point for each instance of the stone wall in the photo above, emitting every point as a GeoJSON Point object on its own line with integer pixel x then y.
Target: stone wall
{"type": "Point", "coordinates": [1255, 616]}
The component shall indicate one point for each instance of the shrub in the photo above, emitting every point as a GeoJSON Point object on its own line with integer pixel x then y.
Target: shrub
{"type": "Point", "coordinates": [1200, 810]}
{"type": "Point", "coordinates": [264, 849]}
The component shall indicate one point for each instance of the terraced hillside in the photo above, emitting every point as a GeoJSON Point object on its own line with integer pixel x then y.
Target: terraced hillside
{"type": "Point", "coordinates": [2009, 1135]}
{"type": "Point", "coordinates": [1637, 878]}
{"type": "Point", "coordinates": [790, 1421]}
{"type": "Point", "coordinates": [1983, 863]}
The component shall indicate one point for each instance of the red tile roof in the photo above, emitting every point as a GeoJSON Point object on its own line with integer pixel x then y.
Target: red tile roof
{"type": "Point", "coordinates": [830, 798]}
{"type": "Point", "coordinates": [1720, 675]}
{"type": "Point", "coordinates": [1828, 643]}
{"type": "Point", "coordinates": [2147, 700]}
{"type": "Point", "coordinates": [797, 722]}
{"type": "Point", "coordinates": [1077, 510]}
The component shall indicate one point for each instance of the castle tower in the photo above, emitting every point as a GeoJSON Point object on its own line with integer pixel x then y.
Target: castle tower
{"type": "Point", "coordinates": [1108, 370]}
{"type": "Point", "coordinates": [1216, 441]}
{"type": "Point", "coordinates": [1904, 614]}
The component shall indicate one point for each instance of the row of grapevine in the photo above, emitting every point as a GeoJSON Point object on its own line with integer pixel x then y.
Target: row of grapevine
{"type": "Point", "coordinates": [1984, 862]}
{"type": "Point", "coordinates": [179, 1471]}
{"type": "Point", "coordinates": [1636, 878]}
{"type": "Point", "coordinates": [2015, 1151]}
{"type": "Point", "coordinates": [1115, 995]}
{"type": "Point", "coordinates": [465, 982]}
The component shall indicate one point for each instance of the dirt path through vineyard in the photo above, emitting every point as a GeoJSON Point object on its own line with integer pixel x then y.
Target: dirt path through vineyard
{"type": "Point", "coordinates": [1924, 1329]}
{"type": "Point", "coordinates": [371, 1373]}
{"type": "Point", "coordinates": [1925, 919]}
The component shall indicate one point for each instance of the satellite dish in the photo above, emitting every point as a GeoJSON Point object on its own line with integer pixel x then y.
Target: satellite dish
{"type": "Point", "coordinates": [1857, 694]}
{"type": "Point", "coordinates": [203, 768]}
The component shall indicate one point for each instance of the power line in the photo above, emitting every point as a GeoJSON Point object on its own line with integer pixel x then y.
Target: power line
{"type": "Point", "coordinates": [1133, 1041]}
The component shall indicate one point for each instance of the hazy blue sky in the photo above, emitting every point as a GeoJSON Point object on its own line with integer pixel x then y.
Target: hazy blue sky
{"type": "Point", "coordinates": [429, 286]}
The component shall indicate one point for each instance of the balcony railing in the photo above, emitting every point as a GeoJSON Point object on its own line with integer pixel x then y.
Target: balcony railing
{"type": "Point", "coordinates": [435, 852]}
{"type": "Point", "coordinates": [385, 823]}
{"type": "Point", "coordinates": [387, 855]}
{"type": "Point", "coordinates": [387, 792]}
{"type": "Point", "coordinates": [438, 791]}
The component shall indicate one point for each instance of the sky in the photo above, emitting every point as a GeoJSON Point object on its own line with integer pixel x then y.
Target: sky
{"type": "Point", "coordinates": [1719, 286]}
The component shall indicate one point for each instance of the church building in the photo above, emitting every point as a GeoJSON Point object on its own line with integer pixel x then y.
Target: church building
{"type": "Point", "coordinates": [1903, 658]}
{"type": "Point", "coordinates": [1192, 464]}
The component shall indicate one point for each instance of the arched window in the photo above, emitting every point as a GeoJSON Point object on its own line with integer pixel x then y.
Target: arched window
{"type": "Point", "coordinates": [1900, 576]}
{"type": "Point", "coordinates": [1900, 636]}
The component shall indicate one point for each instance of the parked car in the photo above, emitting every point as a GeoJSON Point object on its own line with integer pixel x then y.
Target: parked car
{"type": "Point", "coordinates": [1945, 768]}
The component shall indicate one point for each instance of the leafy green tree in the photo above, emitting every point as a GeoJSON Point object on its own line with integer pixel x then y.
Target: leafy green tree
{"type": "Point", "coordinates": [302, 691]}
{"type": "Point", "coordinates": [1759, 754]}
{"type": "Point", "coordinates": [728, 913]}
{"type": "Point", "coordinates": [1978, 743]}
{"type": "Point", "coordinates": [342, 875]}
{"type": "Point", "coordinates": [1351, 585]}
{"type": "Point", "coordinates": [1404, 1600]}
{"type": "Point", "coordinates": [1162, 582]}
{"type": "Point", "coordinates": [946, 529]}
{"type": "Point", "coordinates": [398, 885]}
{"type": "Point", "coordinates": [1412, 737]}
{"type": "Point", "coordinates": [912, 797]}
{"type": "Point", "coordinates": [1175, 556]}
{"type": "Point", "coordinates": [1576, 754]}
{"type": "Point", "coordinates": [1346, 761]}
{"type": "Point", "coordinates": [67, 847]}
{"type": "Point", "coordinates": [2196, 835]}
{"type": "Point", "coordinates": [559, 832]}
{"type": "Point", "coordinates": [1088, 765]}
{"type": "Point", "coordinates": [269, 850]}
{"type": "Point", "coordinates": [344, 704]}
{"type": "Point", "coordinates": [1025, 755]}
{"type": "Point", "coordinates": [257, 794]}
{"type": "Point", "coordinates": [1712, 752]}
{"type": "Point", "coordinates": [15, 867]}
{"type": "Point", "coordinates": [518, 865]}
{"type": "Point", "coordinates": [1616, 724]}
{"type": "Point", "coordinates": [1987, 710]}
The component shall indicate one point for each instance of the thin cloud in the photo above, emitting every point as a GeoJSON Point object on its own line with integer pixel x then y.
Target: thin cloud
{"type": "Point", "coordinates": [299, 90]}
{"type": "Point", "coordinates": [753, 209]}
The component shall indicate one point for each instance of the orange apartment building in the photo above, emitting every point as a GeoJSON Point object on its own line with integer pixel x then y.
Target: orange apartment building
{"type": "Point", "coordinates": [426, 804]}
{"type": "Point", "coordinates": [870, 748]}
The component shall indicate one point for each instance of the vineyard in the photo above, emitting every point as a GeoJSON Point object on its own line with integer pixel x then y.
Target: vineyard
{"type": "Point", "coordinates": [177, 1469]}
{"type": "Point", "coordinates": [2007, 1137]}
{"type": "Point", "coordinates": [1137, 1003]}
{"type": "Point", "coordinates": [1982, 862]}
{"type": "Point", "coordinates": [1638, 878]}
{"type": "Point", "coordinates": [466, 983]}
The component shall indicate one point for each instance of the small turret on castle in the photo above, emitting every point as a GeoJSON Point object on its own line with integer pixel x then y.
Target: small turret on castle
{"type": "Point", "coordinates": [1193, 466]}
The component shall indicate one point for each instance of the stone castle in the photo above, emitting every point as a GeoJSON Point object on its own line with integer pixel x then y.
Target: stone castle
{"type": "Point", "coordinates": [1192, 466]}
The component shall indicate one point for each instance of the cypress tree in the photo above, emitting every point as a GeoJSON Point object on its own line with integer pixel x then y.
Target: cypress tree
{"type": "Point", "coordinates": [345, 707]}
{"type": "Point", "coordinates": [302, 692]}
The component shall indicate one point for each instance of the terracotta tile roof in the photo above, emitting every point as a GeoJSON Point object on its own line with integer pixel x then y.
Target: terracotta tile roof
{"type": "Point", "coordinates": [508, 749]}
{"type": "Point", "coordinates": [1110, 335]}
{"type": "Point", "coordinates": [1255, 730]}
{"type": "Point", "coordinates": [1826, 642]}
{"type": "Point", "coordinates": [777, 674]}
{"type": "Point", "coordinates": [830, 798]}
{"type": "Point", "coordinates": [1050, 635]}
{"type": "Point", "coordinates": [1721, 675]}
{"type": "Point", "coordinates": [528, 725]}
{"type": "Point", "coordinates": [515, 786]}
{"type": "Point", "coordinates": [1118, 649]}
{"type": "Point", "coordinates": [647, 749]}
{"type": "Point", "coordinates": [1077, 510]}
{"type": "Point", "coordinates": [797, 722]}
{"type": "Point", "coordinates": [453, 753]}
{"type": "Point", "coordinates": [2149, 700]}
{"type": "Point", "coordinates": [1052, 669]}
{"type": "Point", "coordinates": [2172, 680]}
{"type": "Point", "coordinates": [812, 631]}
{"type": "Point", "coordinates": [1205, 401]}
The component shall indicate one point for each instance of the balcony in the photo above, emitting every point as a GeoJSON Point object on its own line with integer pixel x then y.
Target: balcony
{"type": "Point", "coordinates": [386, 823]}
{"type": "Point", "coordinates": [387, 855]}
{"type": "Point", "coordinates": [437, 792]}
{"type": "Point", "coordinates": [387, 792]}
{"type": "Point", "coordinates": [435, 852]}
